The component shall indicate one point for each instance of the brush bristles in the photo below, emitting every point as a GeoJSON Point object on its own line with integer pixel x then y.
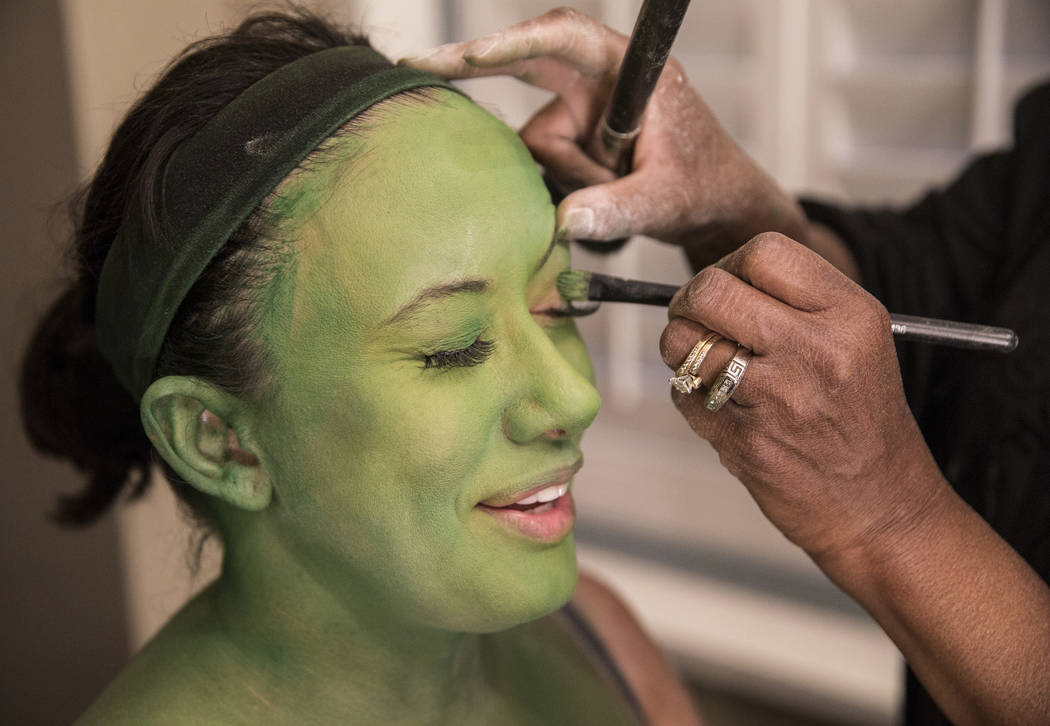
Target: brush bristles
{"type": "Point", "coordinates": [574, 285]}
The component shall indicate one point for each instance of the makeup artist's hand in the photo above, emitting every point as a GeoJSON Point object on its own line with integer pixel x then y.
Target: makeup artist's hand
{"type": "Point", "coordinates": [819, 432]}
{"type": "Point", "coordinates": [818, 429]}
{"type": "Point", "coordinates": [691, 184]}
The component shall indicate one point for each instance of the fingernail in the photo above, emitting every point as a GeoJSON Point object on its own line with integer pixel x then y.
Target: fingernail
{"type": "Point", "coordinates": [577, 224]}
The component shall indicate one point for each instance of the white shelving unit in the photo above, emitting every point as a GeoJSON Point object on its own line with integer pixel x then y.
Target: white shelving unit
{"type": "Point", "coordinates": [903, 97]}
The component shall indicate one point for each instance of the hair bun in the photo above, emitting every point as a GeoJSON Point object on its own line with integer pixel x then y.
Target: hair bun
{"type": "Point", "coordinates": [74, 408]}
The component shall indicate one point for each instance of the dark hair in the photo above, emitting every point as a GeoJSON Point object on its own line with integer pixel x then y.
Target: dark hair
{"type": "Point", "coordinates": [72, 404]}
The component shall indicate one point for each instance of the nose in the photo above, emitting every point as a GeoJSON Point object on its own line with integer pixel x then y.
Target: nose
{"type": "Point", "coordinates": [553, 396]}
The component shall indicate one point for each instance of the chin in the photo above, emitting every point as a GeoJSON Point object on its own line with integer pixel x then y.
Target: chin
{"type": "Point", "coordinates": [544, 583]}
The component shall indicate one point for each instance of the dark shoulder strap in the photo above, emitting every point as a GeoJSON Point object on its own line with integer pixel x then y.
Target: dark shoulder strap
{"type": "Point", "coordinates": [595, 648]}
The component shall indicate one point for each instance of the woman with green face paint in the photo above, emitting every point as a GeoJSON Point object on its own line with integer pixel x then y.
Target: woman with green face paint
{"type": "Point", "coordinates": [328, 284]}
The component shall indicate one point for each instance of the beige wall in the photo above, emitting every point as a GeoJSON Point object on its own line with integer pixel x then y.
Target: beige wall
{"type": "Point", "coordinates": [62, 606]}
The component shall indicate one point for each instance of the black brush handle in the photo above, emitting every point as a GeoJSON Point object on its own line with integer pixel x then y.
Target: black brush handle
{"type": "Point", "coordinates": [607, 288]}
{"type": "Point", "coordinates": [612, 144]}
{"type": "Point", "coordinates": [643, 62]}
{"type": "Point", "coordinates": [971, 336]}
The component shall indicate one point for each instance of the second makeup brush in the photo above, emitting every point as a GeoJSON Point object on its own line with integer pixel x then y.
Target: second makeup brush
{"type": "Point", "coordinates": [579, 285]}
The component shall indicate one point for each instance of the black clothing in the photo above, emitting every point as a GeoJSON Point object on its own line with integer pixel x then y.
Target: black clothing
{"type": "Point", "coordinates": [977, 251]}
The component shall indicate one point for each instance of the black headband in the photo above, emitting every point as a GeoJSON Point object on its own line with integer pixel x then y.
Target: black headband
{"type": "Point", "coordinates": [216, 179]}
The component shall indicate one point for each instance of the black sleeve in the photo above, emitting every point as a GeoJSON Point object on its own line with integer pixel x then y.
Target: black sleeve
{"type": "Point", "coordinates": [942, 256]}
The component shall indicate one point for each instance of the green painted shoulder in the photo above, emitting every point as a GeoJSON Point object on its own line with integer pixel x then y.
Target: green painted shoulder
{"type": "Point", "coordinates": [173, 680]}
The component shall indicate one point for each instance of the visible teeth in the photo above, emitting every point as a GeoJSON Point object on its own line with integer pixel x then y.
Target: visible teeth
{"type": "Point", "coordinates": [551, 493]}
{"type": "Point", "coordinates": [545, 495]}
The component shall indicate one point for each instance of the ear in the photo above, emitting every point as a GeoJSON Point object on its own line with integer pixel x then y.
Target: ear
{"type": "Point", "coordinates": [203, 434]}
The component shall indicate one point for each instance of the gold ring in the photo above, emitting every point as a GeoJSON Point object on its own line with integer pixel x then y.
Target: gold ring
{"type": "Point", "coordinates": [686, 379]}
{"type": "Point", "coordinates": [728, 379]}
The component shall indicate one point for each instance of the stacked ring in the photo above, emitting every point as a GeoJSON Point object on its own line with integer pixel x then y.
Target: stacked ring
{"type": "Point", "coordinates": [728, 379]}
{"type": "Point", "coordinates": [686, 379]}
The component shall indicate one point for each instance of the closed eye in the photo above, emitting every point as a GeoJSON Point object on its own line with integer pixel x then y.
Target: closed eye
{"type": "Point", "coordinates": [474, 354]}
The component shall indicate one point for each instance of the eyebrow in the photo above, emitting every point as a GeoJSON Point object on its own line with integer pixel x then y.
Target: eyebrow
{"type": "Point", "coordinates": [437, 292]}
{"type": "Point", "coordinates": [447, 289]}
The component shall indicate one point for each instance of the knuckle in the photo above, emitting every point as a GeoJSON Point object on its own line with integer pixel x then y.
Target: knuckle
{"type": "Point", "coordinates": [565, 14]}
{"type": "Point", "coordinates": [878, 317]}
{"type": "Point", "coordinates": [867, 323]}
{"type": "Point", "coordinates": [767, 250]}
{"type": "Point", "coordinates": [839, 368]}
{"type": "Point", "coordinates": [840, 351]}
{"type": "Point", "coordinates": [821, 361]}
{"type": "Point", "coordinates": [710, 283]}
{"type": "Point", "coordinates": [768, 242]}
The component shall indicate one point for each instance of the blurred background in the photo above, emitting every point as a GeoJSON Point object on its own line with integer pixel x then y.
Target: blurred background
{"type": "Point", "coordinates": [863, 101]}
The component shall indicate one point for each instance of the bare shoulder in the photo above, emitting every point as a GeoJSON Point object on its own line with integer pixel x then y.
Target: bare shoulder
{"type": "Point", "coordinates": [178, 678]}
{"type": "Point", "coordinates": [650, 675]}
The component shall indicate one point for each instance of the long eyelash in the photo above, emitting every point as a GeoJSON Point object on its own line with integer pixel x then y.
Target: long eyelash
{"type": "Point", "coordinates": [573, 310]}
{"type": "Point", "coordinates": [474, 354]}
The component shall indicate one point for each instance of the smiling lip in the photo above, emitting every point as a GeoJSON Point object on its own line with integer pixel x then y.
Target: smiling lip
{"type": "Point", "coordinates": [542, 521]}
{"type": "Point", "coordinates": [554, 478]}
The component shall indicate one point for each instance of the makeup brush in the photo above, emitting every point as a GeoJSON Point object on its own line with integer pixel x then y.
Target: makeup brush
{"type": "Point", "coordinates": [643, 61]}
{"type": "Point", "coordinates": [612, 143]}
{"type": "Point", "coordinates": [579, 285]}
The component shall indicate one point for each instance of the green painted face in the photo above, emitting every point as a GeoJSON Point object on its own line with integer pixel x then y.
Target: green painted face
{"type": "Point", "coordinates": [420, 370]}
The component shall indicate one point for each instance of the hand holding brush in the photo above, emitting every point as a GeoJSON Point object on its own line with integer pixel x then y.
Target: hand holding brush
{"type": "Point", "coordinates": [681, 145]}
